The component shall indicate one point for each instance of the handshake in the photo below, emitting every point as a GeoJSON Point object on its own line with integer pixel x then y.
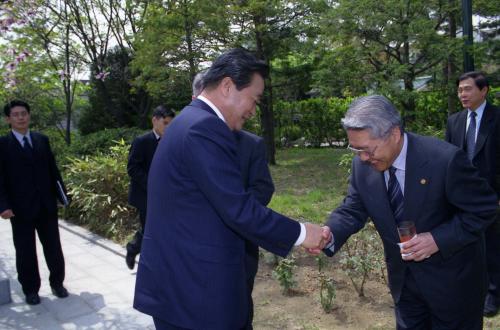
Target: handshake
{"type": "Point", "coordinates": [317, 238]}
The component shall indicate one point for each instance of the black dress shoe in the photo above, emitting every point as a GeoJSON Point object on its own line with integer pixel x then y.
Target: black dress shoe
{"type": "Point", "coordinates": [60, 292]}
{"type": "Point", "coordinates": [32, 299]}
{"type": "Point", "coordinates": [490, 310]}
{"type": "Point", "coordinates": [130, 260]}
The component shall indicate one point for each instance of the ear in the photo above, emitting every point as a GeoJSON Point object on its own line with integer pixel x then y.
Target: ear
{"type": "Point", "coordinates": [225, 86]}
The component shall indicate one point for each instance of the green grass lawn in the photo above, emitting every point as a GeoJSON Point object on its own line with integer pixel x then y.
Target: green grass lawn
{"type": "Point", "coordinates": [309, 183]}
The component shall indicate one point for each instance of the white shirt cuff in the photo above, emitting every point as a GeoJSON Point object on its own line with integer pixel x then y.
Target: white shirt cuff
{"type": "Point", "coordinates": [302, 235]}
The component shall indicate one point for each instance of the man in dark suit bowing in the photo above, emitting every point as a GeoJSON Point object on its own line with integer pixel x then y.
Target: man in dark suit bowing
{"type": "Point", "coordinates": [476, 129]}
{"type": "Point", "coordinates": [139, 160]}
{"type": "Point", "coordinates": [257, 180]}
{"type": "Point", "coordinates": [192, 272]}
{"type": "Point", "coordinates": [440, 283]}
{"type": "Point", "coordinates": [30, 184]}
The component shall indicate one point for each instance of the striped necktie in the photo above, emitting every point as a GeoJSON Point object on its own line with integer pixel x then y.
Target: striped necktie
{"type": "Point", "coordinates": [395, 195]}
{"type": "Point", "coordinates": [470, 138]}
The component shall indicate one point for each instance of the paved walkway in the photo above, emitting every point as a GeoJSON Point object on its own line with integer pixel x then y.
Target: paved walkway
{"type": "Point", "coordinates": [101, 286]}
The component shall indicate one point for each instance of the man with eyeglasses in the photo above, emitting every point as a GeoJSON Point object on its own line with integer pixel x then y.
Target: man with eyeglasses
{"type": "Point", "coordinates": [437, 279]}
{"type": "Point", "coordinates": [476, 129]}
{"type": "Point", "coordinates": [30, 184]}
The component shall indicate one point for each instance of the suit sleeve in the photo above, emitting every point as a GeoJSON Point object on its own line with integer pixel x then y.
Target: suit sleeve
{"type": "Point", "coordinates": [4, 198]}
{"type": "Point", "coordinates": [260, 182]}
{"type": "Point", "coordinates": [56, 174]}
{"type": "Point", "coordinates": [212, 160]}
{"type": "Point", "coordinates": [350, 217]}
{"type": "Point", "coordinates": [475, 206]}
{"type": "Point", "coordinates": [136, 164]}
{"type": "Point", "coordinates": [447, 136]}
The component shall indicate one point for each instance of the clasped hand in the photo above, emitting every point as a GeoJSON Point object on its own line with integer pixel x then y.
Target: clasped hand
{"type": "Point", "coordinates": [317, 238]}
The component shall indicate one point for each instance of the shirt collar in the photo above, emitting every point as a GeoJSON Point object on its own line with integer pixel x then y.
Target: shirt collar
{"type": "Point", "coordinates": [20, 136]}
{"type": "Point", "coordinates": [479, 111]}
{"type": "Point", "coordinates": [211, 105]}
{"type": "Point", "coordinates": [400, 161]}
{"type": "Point", "coordinates": [156, 134]}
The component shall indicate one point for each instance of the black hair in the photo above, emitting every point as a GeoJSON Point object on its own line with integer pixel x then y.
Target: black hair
{"type": "Point", "coordinates": [478, 77]}
{"type": "Point", "coordinates": [15, 103]}
{"type": "Point", "coordinates": [162, 111]}
{"type": "Point", "coordinates": [239, 65]}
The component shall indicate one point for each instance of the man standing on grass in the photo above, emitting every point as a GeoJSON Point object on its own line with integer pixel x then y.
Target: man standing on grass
{"type": "Point", "coordinates": [438, 278]}
{"type": "Point", "coordinates": [476, 129]}
{"type": "Point", "coordinates": [257, 180]}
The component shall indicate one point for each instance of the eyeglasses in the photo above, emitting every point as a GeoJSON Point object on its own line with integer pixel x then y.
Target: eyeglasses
{"type": "Point", "coordinates": [366, 152]}
{"type": "Point", "coordinates": [19, 114]}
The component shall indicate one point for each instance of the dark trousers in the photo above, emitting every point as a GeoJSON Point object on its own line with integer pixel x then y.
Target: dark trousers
{"type": "Point", "coordinates": [492, 239]}
{"type": "Point", "coordinates": [134, 246]}
{"type": "Point", "coordinates": [23, 232]}
{"type": "Point", "coordinates": [414, 312]}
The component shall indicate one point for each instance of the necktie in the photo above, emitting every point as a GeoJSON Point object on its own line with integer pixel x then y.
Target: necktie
{"type": "Point", "coordinates": [396, 198]}
{"type": "Point", "coordinates": [26, 144]}
{"type": "Point", "coordinates": [470, 138]}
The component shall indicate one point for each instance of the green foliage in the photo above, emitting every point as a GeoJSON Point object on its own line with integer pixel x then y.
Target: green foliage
{"type": "Point", "coordinates": [284, 274]}
{"type": "Point", "coordinates": [317, 120]}
{"type": "Point", "coordinates": [101, 141]}
{"type": "Point", "coordinates": [327, 292]}
{"type": "Point", "coordinates": [98, 185]}
{"type": "Point", "coordinates": [361, 256]}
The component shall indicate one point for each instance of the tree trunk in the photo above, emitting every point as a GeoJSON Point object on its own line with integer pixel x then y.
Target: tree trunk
{"type": "Point", "coordinates": [266, 104]}
{"type": "Point", "coordinates": [451, 66]}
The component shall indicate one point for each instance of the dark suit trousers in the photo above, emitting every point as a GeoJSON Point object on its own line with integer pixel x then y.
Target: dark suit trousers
{"type": "Point", "coordinates": [492, 238]}
{"type": "Point", "coordinates": [414, 312]}
{"type": "Point", "coordinates": [23, 231]}
{"type": "Point", "coordinates": [134, 246]}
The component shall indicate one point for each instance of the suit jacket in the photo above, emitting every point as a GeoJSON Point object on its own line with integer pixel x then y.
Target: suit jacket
{"type": "Point", "coordinates": [192, 271]}
{"type": "Point", "coordinates": [487, 152]}
{"type": "Point", "coordinates": [444, 195]}
{"type": "Point", "coordinates": [139, 160]}
{"type": "Point", "coordinates": [28, 181]}
{"type": "Point", "coordinates": [257, 181]}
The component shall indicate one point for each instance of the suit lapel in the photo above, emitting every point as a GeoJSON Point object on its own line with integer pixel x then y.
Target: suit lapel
{"type": "Point", "coordinates": [484, 129]}
{"type": "Point", "coordinates": [197, 103]}
{"type": "Point", "coordinates": [417, 177]}
{"type": "Point", "coordinates": [461, 128]}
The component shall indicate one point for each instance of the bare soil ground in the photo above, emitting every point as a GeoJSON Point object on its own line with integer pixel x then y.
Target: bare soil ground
{"type": "Point", "coordinates": [302, 309]}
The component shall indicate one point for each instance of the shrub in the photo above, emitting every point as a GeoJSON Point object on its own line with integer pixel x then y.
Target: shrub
{"type": "Point", "coordinates": [98, 185]}
{"type": "Point", "coordinates": [102, 141]}
{"type": "Point", "coordinates": [327, 292]}
{"type": "Point", "coordinates": [361, 256]}
{"type": "Point", "coordinates": [284, 274]}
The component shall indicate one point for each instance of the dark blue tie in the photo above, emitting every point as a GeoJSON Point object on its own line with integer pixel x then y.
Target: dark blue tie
{"type": "Point", "coordinates": [27, 146]}
{"type": "Point", "coordinates": [395, 194]}
{"type": "Point", "coordinates": [470, 138]}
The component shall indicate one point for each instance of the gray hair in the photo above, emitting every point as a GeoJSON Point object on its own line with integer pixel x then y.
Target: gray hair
{"type": "Point", "coordinates": [375, 113]}
{"type": "Point", "coordinates": [198, 83]}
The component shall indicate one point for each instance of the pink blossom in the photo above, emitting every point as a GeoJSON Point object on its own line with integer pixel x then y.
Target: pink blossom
{"type": "Point", "coordinates": [11, 66]}
{"type": "Point", "coordinates": [102, 75]}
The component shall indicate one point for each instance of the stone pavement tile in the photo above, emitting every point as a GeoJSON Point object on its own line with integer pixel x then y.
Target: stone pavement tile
{"type": "Point", "coordinates": [67, 308]}
{"type": "Point", "coordinates": [88, 322]}
{"type": "Point", "coordinates": [18, 315]}
{"type": "Point", "coordinates": [127, 318]}
{"type": "Point", "coordinates": [107, 274]}
{"type": "Point", "coordinates": [85, 260]}
{"type": "Point", "coordinates": [125, 287]}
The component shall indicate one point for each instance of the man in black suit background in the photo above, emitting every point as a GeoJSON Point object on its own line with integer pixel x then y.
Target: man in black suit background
{"type": "Point", "coordinates": [139, 160]}
{"type": "Point", "coordinates": [476, 129]}
{"type": "Point", "coordinates": [257, 180]}
{"type": "Point", "coordinates": [438, 278]}
{"type": "Point", "coordinates": [30, 184]}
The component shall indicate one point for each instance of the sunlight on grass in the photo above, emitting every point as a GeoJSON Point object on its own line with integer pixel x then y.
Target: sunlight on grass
{"type": "Point", "coordinates": [309, 183]}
